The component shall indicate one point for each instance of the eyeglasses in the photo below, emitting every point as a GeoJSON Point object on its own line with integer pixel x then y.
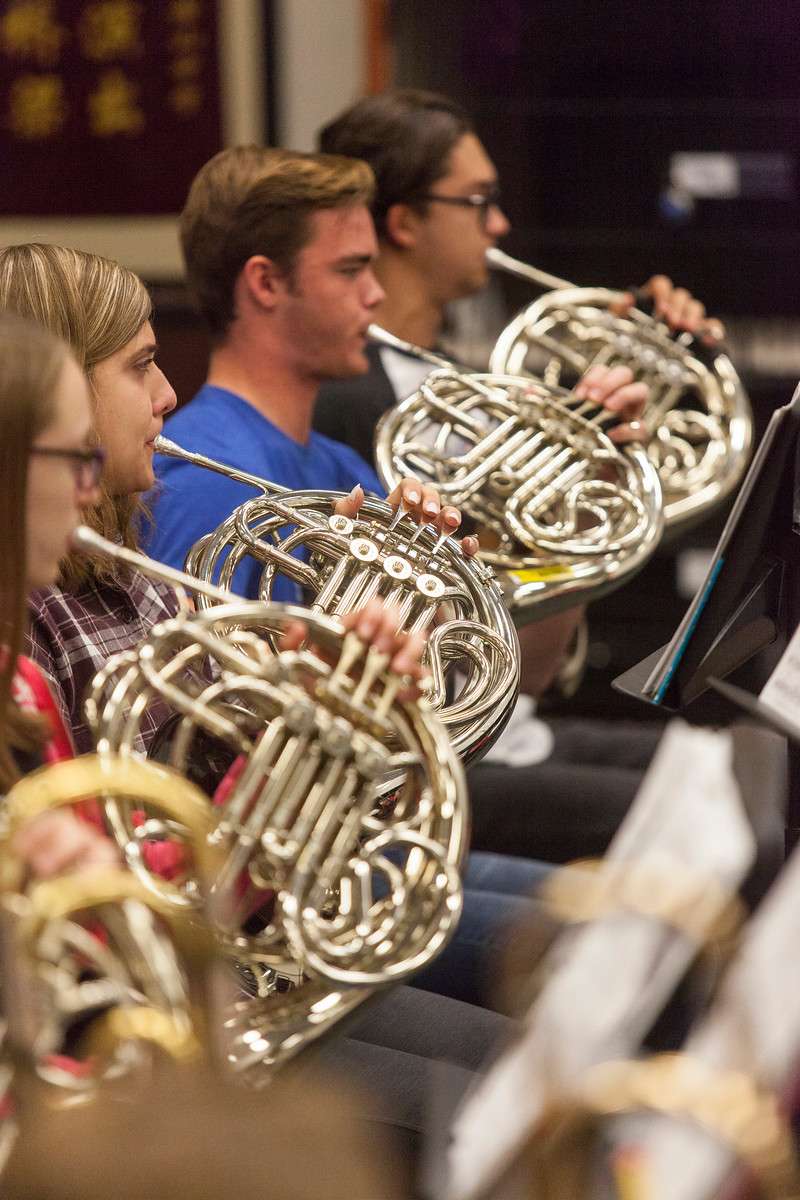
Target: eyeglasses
{"type": "Point", "coordinates": [87, 465]}
{"type": "Point", "coordinates": [481, 201]}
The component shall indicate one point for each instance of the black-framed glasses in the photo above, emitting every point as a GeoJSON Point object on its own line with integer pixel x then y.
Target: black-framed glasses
{"type": "Point", "coordinates": [480, 201]}
{"type": "Point", "coordinates": [87, 465]}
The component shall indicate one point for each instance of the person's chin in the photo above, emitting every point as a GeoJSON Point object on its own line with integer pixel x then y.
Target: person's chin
{"type": "Point", "coordinates": [147, 478]}
{"type": "Point", "coordinates": [360, 363]}
{"type": "Point", "coordinates": [480, 278]}
{"type": "Point", "coordinates": [356, 363]}
{"type": "Point", "coordinates": [45, 574]}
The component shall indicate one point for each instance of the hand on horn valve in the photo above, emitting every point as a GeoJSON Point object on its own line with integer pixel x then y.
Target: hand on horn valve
{"type": "Point", "coordinates": [378, 625]}
{"type": "Point", "coordinates": [419, 499]}
{"type": "Point", "coordinates": [59, 841]}
{"type": "Point", "coordinates": [614, 389]}
{"type": "Point", "coordinates": [676, 306]}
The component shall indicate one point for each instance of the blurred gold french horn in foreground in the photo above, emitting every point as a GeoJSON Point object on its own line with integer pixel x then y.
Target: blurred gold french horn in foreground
{"type": "Point", "coordinates": [472, 652]}
{"type": "Point", "coordinates": [563, 513]}
{"type": "Point", "coordinates": [341, 824]}
{"type": "Point", "coordinates": [98, 971]}
{"type": "Point", "coordinates": [698, 414]}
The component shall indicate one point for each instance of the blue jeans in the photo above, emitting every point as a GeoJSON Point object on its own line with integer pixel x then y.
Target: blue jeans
{"type": "Point", "coordinates": [497, 893]}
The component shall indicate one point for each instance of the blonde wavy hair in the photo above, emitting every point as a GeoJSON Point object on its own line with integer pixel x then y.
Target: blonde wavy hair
{"type": "Point", "coordinates": [96, 306]}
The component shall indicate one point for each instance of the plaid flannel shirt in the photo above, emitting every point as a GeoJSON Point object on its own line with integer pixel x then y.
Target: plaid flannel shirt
{"type": "Point", "coordinates": [72, 635]}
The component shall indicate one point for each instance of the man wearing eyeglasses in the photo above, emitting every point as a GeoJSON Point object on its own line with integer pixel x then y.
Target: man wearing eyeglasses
{"type": "Point", "coordinates": [436, 212]}
{"type": "Point", "coordinates": [550, 794]}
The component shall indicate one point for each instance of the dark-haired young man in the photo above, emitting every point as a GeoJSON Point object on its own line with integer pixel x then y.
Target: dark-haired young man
{"type": "Point", "coordinates": [436, 211]}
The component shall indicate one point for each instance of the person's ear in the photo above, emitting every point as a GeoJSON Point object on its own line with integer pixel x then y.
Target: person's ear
{"type": "Point", "coordinates": [402, 226]}
{"type": "Point", "coordinates": [262, 280]}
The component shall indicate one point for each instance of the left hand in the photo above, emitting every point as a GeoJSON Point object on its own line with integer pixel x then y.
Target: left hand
{"type": "Point", "coordinates": [422, 501]}
{"type": "Point", "coordinates": [377, 624]}
{"type": "Point", "coordinates": [677, 307]}
{"type": "Point", "coordinates": [613, 388]}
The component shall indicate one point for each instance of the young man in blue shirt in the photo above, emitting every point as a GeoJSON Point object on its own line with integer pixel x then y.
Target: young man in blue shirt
{"type": "Point", "coordinates": [279, 250]}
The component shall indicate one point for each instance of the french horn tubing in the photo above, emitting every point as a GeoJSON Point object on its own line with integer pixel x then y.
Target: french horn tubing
{"type": "Point", "coordinates": [97, 951]}
{"type": "Point", "coordinates": [698, 413]}
{"type": "Point", "coordinates": [472, 652]}
{"type": "Point", "coordinates": [564, 514]}
{"type": "Point", "coordinates": [329, 879]}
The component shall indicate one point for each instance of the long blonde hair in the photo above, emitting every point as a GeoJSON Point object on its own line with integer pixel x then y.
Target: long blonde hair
{"type": "Point", "coordinates": [96, 306]}
{"type": "Point", "coordinates": [31, 363]}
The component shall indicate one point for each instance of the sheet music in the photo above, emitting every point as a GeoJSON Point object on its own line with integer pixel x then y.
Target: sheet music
{"type": "Point", "coordinates": [610, 978]}
{"type": "Point", "coordinates": [781, 692]}
{"type": "Point", "coordinates": [754, 1027]}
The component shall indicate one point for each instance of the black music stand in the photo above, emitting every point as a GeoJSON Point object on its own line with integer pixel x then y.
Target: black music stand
{"type": "Point", "coordinates": [747, 608]}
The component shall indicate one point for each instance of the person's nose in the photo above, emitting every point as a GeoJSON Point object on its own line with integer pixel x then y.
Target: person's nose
{"type": "Point", "coordinates": [374, 292]}
{"type": "Point", "coordinates": [164, 398]}
{"type": "Point", "coordinates": [86, 494]}
{"type": "Point", "coordinates": [497, 223]}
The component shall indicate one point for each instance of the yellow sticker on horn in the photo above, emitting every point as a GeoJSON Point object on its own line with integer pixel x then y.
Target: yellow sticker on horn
{"type": "Point", "coordinates": [541, 574]}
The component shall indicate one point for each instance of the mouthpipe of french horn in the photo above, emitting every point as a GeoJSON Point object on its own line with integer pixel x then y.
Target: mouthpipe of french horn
{"type": "Point", "coordinates": [382, 336]}
{"type": "Point", "coordinates": [171, 449]}
{"type": "Point", "coordinates": [378, 334]}
{"type": "Point", "coordinates": [500, 261]}
{"type": "Point", "coordinates": [85, 538]}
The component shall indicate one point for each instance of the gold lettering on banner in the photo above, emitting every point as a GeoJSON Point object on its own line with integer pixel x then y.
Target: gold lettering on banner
{"type": "Point", "coordinates": [185, 12]}
{"type": "Point", "coordinates": [111, 29]}
{"type": "Point", "coordinates": [187, 41]}
{"type": "Point", "coordinates": [37, 107]}
{"type": "Point", "coordinates": [186, 98]}
{"type": "Point", "coordinates": [29, 30]}
{"type": "Point", "coordinates": [190, 67]}
{"type": "Point", "coordinates": [113, 106]}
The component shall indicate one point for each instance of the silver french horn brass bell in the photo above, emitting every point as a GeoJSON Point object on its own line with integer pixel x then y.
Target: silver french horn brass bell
{"type": "Point", "coordinates": [564, 514]}
{"type": "Point", "coordinates": [472, 651]}
{"type": "Point", "coordinates": [340, 826]}
{"type": "Point", "coordinates": [698, 414]}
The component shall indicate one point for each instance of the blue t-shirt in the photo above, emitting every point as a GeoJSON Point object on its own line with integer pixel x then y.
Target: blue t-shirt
{"type": "Point", "coordinates": [190, 501]}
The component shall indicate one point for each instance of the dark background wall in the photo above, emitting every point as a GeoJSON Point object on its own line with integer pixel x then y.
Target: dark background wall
{"type": "Point", "coordinates": [583, 104]}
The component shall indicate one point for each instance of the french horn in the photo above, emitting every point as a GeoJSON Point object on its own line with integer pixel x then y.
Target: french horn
{"type": "Point", "coordinates": [472, 652]}
{"type": "Point", "coordinates": [101, 975]}
{"type": "Point", "coordinates": [341, 825]}
{"type": "Point", "coordinates": [564, 514]}
{"type": "Point", "coordinates": [698, 414]}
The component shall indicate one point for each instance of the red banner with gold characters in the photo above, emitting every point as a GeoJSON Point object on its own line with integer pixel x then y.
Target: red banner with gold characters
{"type": "Point", "coordinates": [106, 106]}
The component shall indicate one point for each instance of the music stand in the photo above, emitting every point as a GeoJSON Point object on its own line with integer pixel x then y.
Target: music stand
{"type": "Point", "coordinates": [747, 607]}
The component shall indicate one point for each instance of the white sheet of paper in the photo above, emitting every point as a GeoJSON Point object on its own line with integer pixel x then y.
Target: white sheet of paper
{"type": "Point", "coordinates": [781, 692]}
{"type": "Point", "coordinates": [612, 976]}
{"type": "Point", "coordinates": [754, 1027]}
